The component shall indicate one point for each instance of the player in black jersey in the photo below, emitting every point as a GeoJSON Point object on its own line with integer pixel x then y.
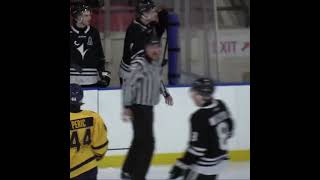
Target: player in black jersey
{"type": "Point", "coordinates": [211, 127]}
{"type": "Point", "coordinates": [149, 20]}
{"type": "Point", "coordinates": [87, 60]}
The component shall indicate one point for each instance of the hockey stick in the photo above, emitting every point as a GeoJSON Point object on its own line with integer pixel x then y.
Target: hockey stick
{"type": "Point", "coordinates": [164, 60]}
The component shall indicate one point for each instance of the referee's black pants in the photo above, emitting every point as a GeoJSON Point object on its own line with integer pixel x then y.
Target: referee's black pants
{"type": "Point", "coordinates": [142, 146]}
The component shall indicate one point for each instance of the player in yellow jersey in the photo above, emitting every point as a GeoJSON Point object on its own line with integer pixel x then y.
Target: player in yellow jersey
{"type": "Point", "coordinates": [88, 138]}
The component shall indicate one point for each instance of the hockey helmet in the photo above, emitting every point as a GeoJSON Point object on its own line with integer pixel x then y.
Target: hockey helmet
{"type": "Point", "coordinates": [78, 9]}
{"type": "Point", "coordinates": [203, 86]}
{"type": "Point", "coordinates": [144, 5]}
{"type": "Point", "coordinates": [76, 94]}
{"type": "Point", "coordinates": [153, 39]}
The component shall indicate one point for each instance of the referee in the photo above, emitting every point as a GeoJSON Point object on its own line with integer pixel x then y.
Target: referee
{"type": "Point", "coordinates": [140, 93]}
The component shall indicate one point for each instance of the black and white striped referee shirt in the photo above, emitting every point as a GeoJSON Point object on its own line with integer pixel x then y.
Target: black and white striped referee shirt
{"type": "Point", "coordinates": [144, 84]}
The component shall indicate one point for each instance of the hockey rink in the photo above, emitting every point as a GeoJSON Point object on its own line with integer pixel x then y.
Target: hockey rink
{"type": "Point", "coordinates": [235, 171]}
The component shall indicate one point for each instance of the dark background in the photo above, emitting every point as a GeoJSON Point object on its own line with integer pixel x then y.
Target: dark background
{"type": "Point", "coordinates": [35, 86]}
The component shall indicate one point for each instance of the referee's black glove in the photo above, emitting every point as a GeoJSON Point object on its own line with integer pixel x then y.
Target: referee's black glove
{"type": "Point", "coordinates": [105, 78]}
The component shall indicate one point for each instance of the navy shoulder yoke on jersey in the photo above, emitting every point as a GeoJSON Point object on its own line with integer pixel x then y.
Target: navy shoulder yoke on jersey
{"type": "Point", "coordinates": [85, 48]}
{"type": "Point", "coordinates": [211, 127]}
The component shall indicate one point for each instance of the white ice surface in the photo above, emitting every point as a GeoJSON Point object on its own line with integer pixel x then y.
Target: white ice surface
{"type": "Point", "coordinates": [235, 171]}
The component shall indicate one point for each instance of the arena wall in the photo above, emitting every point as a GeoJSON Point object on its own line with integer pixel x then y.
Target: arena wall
{"type": "Point", "coordinates": [171, 123]}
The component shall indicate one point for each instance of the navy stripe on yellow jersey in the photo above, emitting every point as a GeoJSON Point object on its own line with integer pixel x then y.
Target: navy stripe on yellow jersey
{"type": "Point", "coordinates": [99, 155]}
{"type": "Point", "coordinates": [81, 123]}
{"type": "Point", "coordinates": [83, 163]}
{"type": "Point", "coordinates": [87, 130]}
{"type": "Point", "coordinates": [101, 146]}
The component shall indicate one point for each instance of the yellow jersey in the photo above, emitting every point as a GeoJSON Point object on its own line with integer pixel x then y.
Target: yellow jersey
{"type": "Point", "coordinates": [88, 141]}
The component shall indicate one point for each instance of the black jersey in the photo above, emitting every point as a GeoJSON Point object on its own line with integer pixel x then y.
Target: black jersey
{"type": "Point", "coordinates": [85, 48]}
{"type": "Point", "coordinates": [211, 127]}
{"type": "Point", "coordinates": [136, 35]}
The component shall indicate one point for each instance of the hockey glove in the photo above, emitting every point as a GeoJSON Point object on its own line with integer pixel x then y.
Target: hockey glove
{"type": "Point", "coordinates": [178, 170]}
{"type": "Point", "coordinates": [230, 134]}
{"type": "Point", "coordinates": [104, 78]}
{"type": "Point", "coordinates": [77, 67]}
